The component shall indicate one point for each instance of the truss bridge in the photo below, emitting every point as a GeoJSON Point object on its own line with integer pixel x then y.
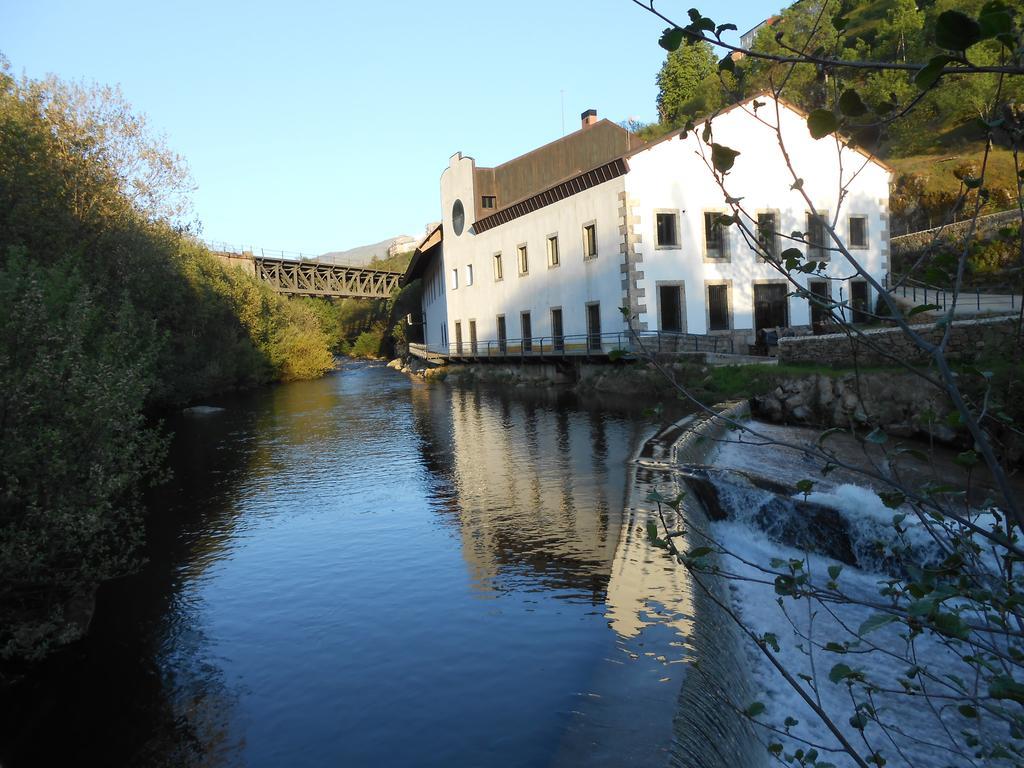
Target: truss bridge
{"type": "Point", "coordinates": [310, 278]}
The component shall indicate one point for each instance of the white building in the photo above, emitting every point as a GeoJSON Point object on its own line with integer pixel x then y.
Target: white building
{"type": "Point", "coordinates": [540, 253]}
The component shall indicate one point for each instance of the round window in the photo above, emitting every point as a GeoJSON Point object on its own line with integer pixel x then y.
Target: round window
{"type": "Point", "coordinates": [458, 217]}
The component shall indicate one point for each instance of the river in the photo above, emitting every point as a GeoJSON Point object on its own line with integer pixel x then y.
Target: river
{"type": "Point", "coordinates": [364, 570]}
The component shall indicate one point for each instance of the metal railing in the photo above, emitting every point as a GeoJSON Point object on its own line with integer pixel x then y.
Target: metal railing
{"type": "Point", "coordinates": [578, 345]}
{"type": "Point", "coordinates": [921, 293]}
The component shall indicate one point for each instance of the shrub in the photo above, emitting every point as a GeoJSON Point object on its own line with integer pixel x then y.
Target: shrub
{"type": "Point", "coordinates": [368, 344]}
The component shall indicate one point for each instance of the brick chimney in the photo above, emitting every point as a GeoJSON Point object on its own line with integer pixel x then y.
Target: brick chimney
{"type": "Point", "coordinates": [589, 118]}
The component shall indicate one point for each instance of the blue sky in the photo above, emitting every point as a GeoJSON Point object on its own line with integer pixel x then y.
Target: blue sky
{"type": "Point", "coordinates": [321, 126]}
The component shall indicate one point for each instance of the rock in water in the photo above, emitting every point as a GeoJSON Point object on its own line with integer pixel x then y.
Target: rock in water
{"type": "Point", "coordinates": [202, 410]}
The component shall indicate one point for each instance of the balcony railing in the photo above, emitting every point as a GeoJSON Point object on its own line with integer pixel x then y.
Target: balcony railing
{"type": "Point", "coordinates": [578, 345]}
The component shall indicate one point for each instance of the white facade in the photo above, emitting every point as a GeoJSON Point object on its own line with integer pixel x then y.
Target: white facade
{"type": "Point", "coordinates": [630, 267]}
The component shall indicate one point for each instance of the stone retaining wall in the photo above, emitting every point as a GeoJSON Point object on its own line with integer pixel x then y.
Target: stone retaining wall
{"type": "Point", "coordinates": [970, 339]}
{"type": "Point", "coordinates": [953, 233]}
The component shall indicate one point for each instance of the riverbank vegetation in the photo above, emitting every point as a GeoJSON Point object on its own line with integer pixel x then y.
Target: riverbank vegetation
{"type": "Point", "coordinates": [110, 311]}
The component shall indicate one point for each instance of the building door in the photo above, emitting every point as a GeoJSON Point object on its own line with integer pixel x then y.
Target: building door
{"type": "Point", "coordinates": [502, 337]}
{"type": "Point", "coordinates": [472, 336]}
{"type": "Point", "coordinates": [819, 314]}
{"type": "Point", "coordinates": [458, 338]}
{"type": "Point", "coordinates": [557, 336]}
{"type": "Point", "coordinates": [670, 304]}
{"type": "Point", "coordinates": [594, 327]}
{"type": "Point", "coordinates": [859, 301]}
{"type": "Point", "coordinates": [527, 332]}
{"type": "Point", "coordinates": [771, 308]}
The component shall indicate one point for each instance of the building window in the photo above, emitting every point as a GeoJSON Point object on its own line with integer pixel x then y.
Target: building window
{"type": "Point", "coordinates": [859, 301]}
{"type": "Point", "coordinates": [472, 336]}
{"type": "Point", "coordinates": [767, 237]}
{"type": "Point", "coordinates": [594, 327]}
{"type": "Point", "coordinates": [820, 304]}
{"type": "Point", "coordinates": [498, 273]}
{"type": "Point", "coordinates": [553, 251]}
{"type": "Point", "coordinates": [718, 308]}
{"type": "Point", "coordinates": [858, 232]}
{"type": "Point", "coordinates": [527, 326]}
{"type": "Point", "coordinates": [589, 241]}
{"type": "Point", "coordinates": [816, 236]}
{"type": "Point", "coordinates": [670, 307]}
{"type": "Point", "coordinates": [666, 229]}
{"type": "Point", "coordinates": [502, 337]}
{"type": "Point", "coordinates": [557, 334]}
{"type": "Point", "coordinates": [458, 337]}
{"type": "Point", "coordinates": [524, 260]}
{"type": "Point", "coordinates": [487, 201]}
{"type": "Point", "coordinates": [771, 306]}
{"type": "Point", "coordinates": [455, 278]}
{"type": "Point", "coordinates": [469, 274]}
{"type": "Point", "coordinates": [716, 236]}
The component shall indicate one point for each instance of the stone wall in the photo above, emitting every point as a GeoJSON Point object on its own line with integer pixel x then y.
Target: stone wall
{"type": "Point", "coordinates": [901, 404]}
{"type": "Point", "coordinates": [970, 339]}
{"type": "Point", "coordinates": [952, 233]}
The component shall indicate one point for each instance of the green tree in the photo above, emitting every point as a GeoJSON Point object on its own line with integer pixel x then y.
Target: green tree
{"type": "Point", "coordinates": [680, 77]}
{"type": "Point", "coordinates": [110, 312]}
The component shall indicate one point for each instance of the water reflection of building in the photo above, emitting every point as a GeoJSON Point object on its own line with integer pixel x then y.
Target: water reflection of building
{"type": "Point", "coordinates": [537, 486]}
{"type": "Point", "coordinates": [646, 586]}
{"type": "Point", "coordinates": [545, 490]}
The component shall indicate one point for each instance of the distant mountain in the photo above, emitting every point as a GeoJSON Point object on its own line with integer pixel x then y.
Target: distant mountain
{"type": "Point", "coordinates": [364, 254]}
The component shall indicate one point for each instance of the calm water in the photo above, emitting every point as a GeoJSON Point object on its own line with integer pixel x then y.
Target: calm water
{"type": "Point", "coordinates": [368, 571]}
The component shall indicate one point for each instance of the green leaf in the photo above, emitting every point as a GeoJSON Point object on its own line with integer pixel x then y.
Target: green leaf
{"type": "Point", "coordinates": [877, 436]}
{"type": "Point", "coordinates": [831, 431]}
{"type": "Point", "coordinates": [892, 499]}
{"type": "Point", "coordinates": [671, 38]}
{"type": "Point", "coordinates": [951, 625]}
{"type": "Point", "coordinates": [1004, 687]}
{"type": "Point", "coordinates": [956, 31]}
{"type": "Point", "coordinates": [929, 74]}
{"type": "Point", "coordinates": [967, 711]}
{"type": "Point", "coordinates": [693, 554]}
{"type": "Point", "coordinates": [790, 722]}
{"type": "Point", "coordinates": [723, 157]}
{"type": "Point", "coordinates": [821, 122]}
{"type": "Point", "coordinates": [754, 709]}
{"type": "Point", "coordinates": [922, 308]}
{"type": "Point", "coordinates": [875, 621]}
{"type": "Point", "coordinates": [771, 641]}
{"type": "Point", "coordinates": [840, 672]}
{"type": "Point", "coordinates": [967, 459]}
{"type": "Point", "coordinates": [726, 64]}
{"type": "Point", "coordinates": [652, 530]}
{"type": "Point", "coordinates": [805, 486]}
{"type": "Point", "coordinates": [851, 105]}
{"type": "Point", "coordinates": [839, 22]}
{"type": "Point", "coordinates": [724, 27]}
{"type": "Point", "coordinates": [834, 571]}
{"type": "Point", "coordinates": [921, 607]}
{"type": "Point", "coordinates": [995, 19]}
